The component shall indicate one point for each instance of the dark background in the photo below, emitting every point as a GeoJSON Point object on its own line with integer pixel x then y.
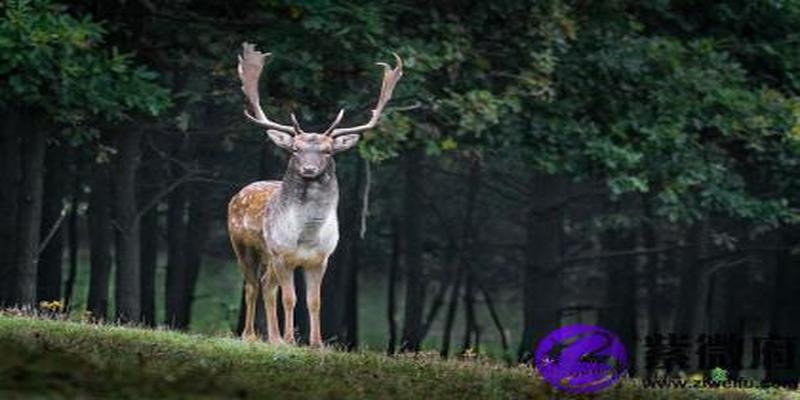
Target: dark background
{"type": "Point", "coordinates": [623, 163]}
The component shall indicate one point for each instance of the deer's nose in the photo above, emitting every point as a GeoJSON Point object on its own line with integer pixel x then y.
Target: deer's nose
{"type": "Point", "coordinates": [308, 170]}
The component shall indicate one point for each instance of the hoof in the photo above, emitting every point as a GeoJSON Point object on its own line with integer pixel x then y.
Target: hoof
{"type": "Point", "coordinates": [276, 340]}
{"type": "Point", "coordinates": [249, 337]}
{"type": "Point", "coordinates": [316, 345]}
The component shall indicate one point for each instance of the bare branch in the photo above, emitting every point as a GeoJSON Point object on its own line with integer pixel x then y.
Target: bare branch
{"type": "Point", "coordinates": [413, 106]}
{"type": "Point", "coordinates": [495, 317]}
{"type": "Point", "coordinates": [162, 193]}
{"type": "Point", "coordinates": [622, 253]}
{"type": "Point", "coordinates": [365, 198]}
{"type": "Point", "coordinates": [716, 267]}
{"type": "Point", "coordinates": [54, 228]}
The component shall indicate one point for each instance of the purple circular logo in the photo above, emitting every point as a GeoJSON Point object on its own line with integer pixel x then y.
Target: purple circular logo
{"type": "Point", "coordinates": [581, 358]}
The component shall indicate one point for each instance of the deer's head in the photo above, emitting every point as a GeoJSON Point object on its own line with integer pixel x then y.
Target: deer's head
{"type": "Point", "coordinates": [311, 152]}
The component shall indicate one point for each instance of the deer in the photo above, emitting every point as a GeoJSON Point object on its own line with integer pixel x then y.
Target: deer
{"type": "Point", "coordinates": [276, 227]}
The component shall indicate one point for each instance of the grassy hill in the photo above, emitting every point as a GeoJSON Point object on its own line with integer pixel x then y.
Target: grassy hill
{"type": "Point", "coordinates": [54, 359]}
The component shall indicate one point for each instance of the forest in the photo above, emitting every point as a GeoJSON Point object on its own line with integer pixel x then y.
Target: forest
{"type": "Point", "coordinates": [629, 164]}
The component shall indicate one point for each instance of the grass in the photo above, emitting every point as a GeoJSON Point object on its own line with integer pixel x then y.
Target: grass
{"type": "Point", "coordinates": [46, 357]}
{"type": "Point", "coordinates": [42, 358]}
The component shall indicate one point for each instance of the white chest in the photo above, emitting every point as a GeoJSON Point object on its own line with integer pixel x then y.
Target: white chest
{"type": "Point", "coordinates": [305, 232]}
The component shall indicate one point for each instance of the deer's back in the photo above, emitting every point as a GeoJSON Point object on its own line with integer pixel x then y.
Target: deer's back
{"type": "Point", "coordinates": [246, 213]}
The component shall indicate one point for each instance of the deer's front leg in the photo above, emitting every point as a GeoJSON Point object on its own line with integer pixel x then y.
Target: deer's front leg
{"type": "Point", "coordinates": [313, 288]}
{"type": "Point", "coordinates": [285, 275]}
{"type": "Point", "coordinates": [269, 289]}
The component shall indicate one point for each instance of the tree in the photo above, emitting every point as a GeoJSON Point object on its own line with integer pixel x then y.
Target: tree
{"type": "Point", "coordinates": [680, 115]}
{"type": "Point", "coordinates": [60, 74]}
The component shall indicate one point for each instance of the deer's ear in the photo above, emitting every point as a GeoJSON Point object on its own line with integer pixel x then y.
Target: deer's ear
{"type": "Point", "coordinates": [282, 139]}
{"type": "Point", "coordinates": [344, 142]}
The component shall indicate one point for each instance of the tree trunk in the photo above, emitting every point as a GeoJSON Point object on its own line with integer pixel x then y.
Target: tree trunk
{"type": "Point", "coordinates": [73, 242]}
{"type": "Point", "coordinates": [391, 307]}
{"type": "Point", "coordinates": [339, 296]}
{"type": "Point", "coordinates": [415, 285]}
{"type": "Point", "coordinates": [693, 290]}
{"type": "Point", "coordinates": [30, 215]}
{"type": "Point", "coordinates": [48, 278]}
{"type": "Point", "coordinates": [731, 287]}
{"type": "Point", "coordinates": [334, 287]}
{"type": "Point", "coordinates": [127, 280]}
{"type": "Point", "coordinates": [149, 258]}
{"type": "Point", "coordinates": [469, 238]}
{"type": "Point", "coordinates": [655, 268]}
{"type": "Point", "coordinates": [196, 236]}
{"type": "Point", "coordinates": [658, 308]}
{"type": "Point", "coordinates": [452, 308]}
{"type": "Point", "coordinates": [438, 301]}
{"type": "Point", "coordinates": [785, 307]}
{"type": "Point", "coordinates": [619, 315]}
{"type": "Point", "coordinates": [542, 273]}
{"type": "Point", "coordinates": [470, 325]}
{"type": "Point", "coordinates": [176, 260]}
{"type": "Point", "coordinates": [693, 285]}
{"type": "Point", "coordinates": [151, 172]}
{"type": "Point", "coordinates": [350, 320]}
{"type": "Point", "coordinates": [496, 320]}
{"type": "Point", "coordinates": [100, 234]}
{"type": "Point", "coordinates": [10, 179]}
{"type": "Point", "coordinates": [461, 269]}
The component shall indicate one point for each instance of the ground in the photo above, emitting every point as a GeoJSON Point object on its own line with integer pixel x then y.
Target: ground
{"type": "Point", "coordinates": [44, 358]}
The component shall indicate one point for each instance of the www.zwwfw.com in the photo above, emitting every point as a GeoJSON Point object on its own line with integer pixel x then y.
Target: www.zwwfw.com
{"type": "Point", "coordinates": [665, 383]}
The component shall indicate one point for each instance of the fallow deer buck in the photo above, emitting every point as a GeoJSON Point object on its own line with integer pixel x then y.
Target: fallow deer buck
{"type": "Point", "coordinates": [277, 226]}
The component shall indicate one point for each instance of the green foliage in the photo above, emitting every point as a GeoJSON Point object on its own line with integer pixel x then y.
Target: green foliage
{"type": "Point", "coordinates": [462, 73]}
{"type": "Point", "coordinates": [692, 108]}
{"type": "Point", "coordinates": [696, 111]}
{"type": "Point", "coordinates": [680, 121]}
{"type": "Point", "coordinates": [473, 77]}
{"type": "Point", "coordinates": [58, 63]}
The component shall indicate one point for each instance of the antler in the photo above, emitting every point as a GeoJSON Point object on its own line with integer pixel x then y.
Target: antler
{"type": "Point", "coordinates": [296, 125]}
{"type": "Point", "coordinates": [251, 62]}
{"type": "Point", "coordinates": [390, 78]}
{"type": "Point", "coordinates": [335, 122]}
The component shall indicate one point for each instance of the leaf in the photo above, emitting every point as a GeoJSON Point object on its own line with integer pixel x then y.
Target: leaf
{"type": "Point", "coordinates": [448, 144]}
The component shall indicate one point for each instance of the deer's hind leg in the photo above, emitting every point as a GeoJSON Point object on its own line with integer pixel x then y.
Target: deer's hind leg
{"type": "Point", "coordinates": [247, 261]}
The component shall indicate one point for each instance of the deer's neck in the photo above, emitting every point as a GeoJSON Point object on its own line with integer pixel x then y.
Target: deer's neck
{"type": "Point", "coordinates": [317, 197]}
